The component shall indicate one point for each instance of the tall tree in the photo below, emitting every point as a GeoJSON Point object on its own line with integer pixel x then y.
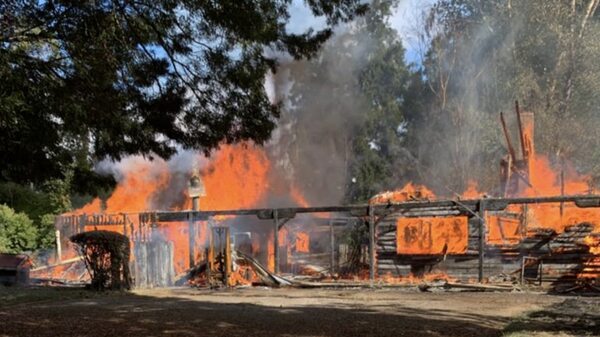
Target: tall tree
{"type": "Point", "coordinates": [485, 54]}
{"type": "Point", "coordinates": [84, 80]}
{"type": "Point", "coordinates": [380, 160]}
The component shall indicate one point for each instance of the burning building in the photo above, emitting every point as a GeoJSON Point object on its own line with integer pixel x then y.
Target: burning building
{"type": "Point", "coordinates": [539, 225]}
{"type": "Point", "coordinates": [541, 229]}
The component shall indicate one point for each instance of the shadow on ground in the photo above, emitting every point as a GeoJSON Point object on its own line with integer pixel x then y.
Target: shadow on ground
{"type": "Point", "coordinates": [135, 315]}
{"type": "Point", "coordinates": [574, 316]}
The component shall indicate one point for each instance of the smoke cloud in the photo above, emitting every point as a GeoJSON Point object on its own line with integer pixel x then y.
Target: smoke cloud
{"type": "Point", "coordinates": [322, 107]}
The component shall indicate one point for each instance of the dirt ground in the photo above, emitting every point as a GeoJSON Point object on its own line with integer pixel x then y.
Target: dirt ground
{"type": "Point", "coordinates": [284, 312]}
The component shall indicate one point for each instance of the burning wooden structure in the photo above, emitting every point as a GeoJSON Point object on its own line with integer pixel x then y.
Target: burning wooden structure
{"type": "Point", "coordinates": [541, 228]}
{"type": "Point", "coordinates": [542, 241]}
{"type": "Point", "coordinates": [455, 240]}
{"type": "Point", "coordinates": [464, 253]}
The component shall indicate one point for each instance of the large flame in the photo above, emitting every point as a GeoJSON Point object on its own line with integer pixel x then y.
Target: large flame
{"type": "Point", "coordinates": [235, 177]}
{"type": "Point", "coordinates": [426, 235]}
{"type": "Point", "coordinates": [446, 235]}
{"type": "Point", "coordinates": [241, 176]}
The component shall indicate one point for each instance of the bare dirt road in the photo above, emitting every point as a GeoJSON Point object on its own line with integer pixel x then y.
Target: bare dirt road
{"type": "Point", "coordinates": [264, 312]}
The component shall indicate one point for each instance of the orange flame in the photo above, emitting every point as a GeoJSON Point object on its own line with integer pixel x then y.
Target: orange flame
{"type": "Point", "coordinates": [302, 242]}
{"type": "Point", "coordinates": [407, 193]}
{"type": "Point", "coordinates": [431, 235]}
{"type": "Point", "coordinates": [414, 279]}
{"type": "Point", "coordinates": [236, 177]}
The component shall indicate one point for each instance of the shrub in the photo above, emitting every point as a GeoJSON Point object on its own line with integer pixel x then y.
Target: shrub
{"type": "Point", "coordinates": [17, 232]}
{"type": "Point", "coordinates": [106, 256]}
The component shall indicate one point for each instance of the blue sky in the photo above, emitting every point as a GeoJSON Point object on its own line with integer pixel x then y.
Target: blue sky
{"type": "Point", "coordinates": [407, 20]}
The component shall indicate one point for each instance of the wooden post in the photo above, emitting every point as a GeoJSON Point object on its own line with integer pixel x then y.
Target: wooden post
{"type": "Point", "coordinates": [191, 237]}
{"type": "Point", "coordinates": [82, 223]}
{"type": "Point", "coordinates": [521, 134]}
{"type": "Point", "coordinates": [332, 245]}
{"type": "Point", "coordinates": [276, 241]}
{"type": "Point", "coordinates": [481, 214]}
{"type": "Point", "coordinates": [562, 193]}
{"type": "Point", "coordinates": [227, 258]}
{"type": "Point", "coordinates": [523, 270]}
{"type": "Point", "coordinates": [511, 149]}
{"type": "Point", "coordinates": [58, 247]}
{"type": "Point", "coordinates": [131, 229]}
{"type": "Point", "coordinates": [371, 244]}
{"type": "Point", "coordinates": [541, 270]}
{"type": "Point", "coordinates": [192, 231]}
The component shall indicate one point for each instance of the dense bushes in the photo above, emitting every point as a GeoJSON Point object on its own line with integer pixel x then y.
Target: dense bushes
{"type": "Point", "coordinates": [17, 231]}
{"type": "Point", "coordinates": [40, 206]}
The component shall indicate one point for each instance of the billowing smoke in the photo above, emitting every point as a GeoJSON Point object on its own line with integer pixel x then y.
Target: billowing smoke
{"type": "Point", "coordinates": [322, 108]}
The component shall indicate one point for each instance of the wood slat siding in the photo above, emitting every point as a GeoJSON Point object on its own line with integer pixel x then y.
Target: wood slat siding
{"type": "Point", "coordinates": [153, 264]}
{"type": "Point", "coordinates": [563, 256]}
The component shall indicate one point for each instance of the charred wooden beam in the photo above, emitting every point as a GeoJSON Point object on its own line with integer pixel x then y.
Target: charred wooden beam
{"type": "Point", "coordinates": [481, 213]}
{"type": "Point", "coordinates": [521, 133]}
{"type": "Point", "coordinates": [276, 240]}
{"type": "Point", "coordinates": [469, 206]}
{"type": "Point", "coordinates": [511, 149]}
{"type": "Point", "coordinates": [372, 225]}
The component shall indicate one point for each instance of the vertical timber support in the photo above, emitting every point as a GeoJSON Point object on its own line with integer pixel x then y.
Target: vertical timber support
{"type": "Point", "coordinates": [276, 241]}
{"type": "Point", "coordinates": [332, 247]}
{"type": "Point", "coordinates": [210, 252]}
{"type": "Point", "coordinates": [192, 231]}
{"type": "Point", "coordinates": [481, 215]}
{"type": "Point", "coordinates": [371, 244]}
{"type": "Point", "coordinates": [82, 223]}
{"type": "Point", "coordinates": [58, 247]}
{"type": "Point", "coordinates": [191, 238]}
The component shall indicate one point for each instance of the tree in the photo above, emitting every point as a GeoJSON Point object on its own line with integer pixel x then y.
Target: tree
{"type": "Point", "coordinates": [41, 206]}
{"type": "Point", "coordinates": [483, 55]}
{"type": "Point", "coordinates": [86, 80]}
{"type": "Point", "coordinates": [17, 232]}
{"type": "Point", "coordinates": [380, 160]}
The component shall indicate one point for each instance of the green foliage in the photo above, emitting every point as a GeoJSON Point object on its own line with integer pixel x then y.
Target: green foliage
{"type": "Point", "coordinates": [39, 206]}
{"type": "Point", "coordinates": [86, 80]}
{"type": "Point", "coordinates": [58, 195]}
{"type": "Point", "coordinates": [17, 232]}
{"type": "Point", "coordinates": [379, 159]}
{"type": "Point", "coordinates": [26, 200]}
{"type": "Point", "coordinates": [46, 231]}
